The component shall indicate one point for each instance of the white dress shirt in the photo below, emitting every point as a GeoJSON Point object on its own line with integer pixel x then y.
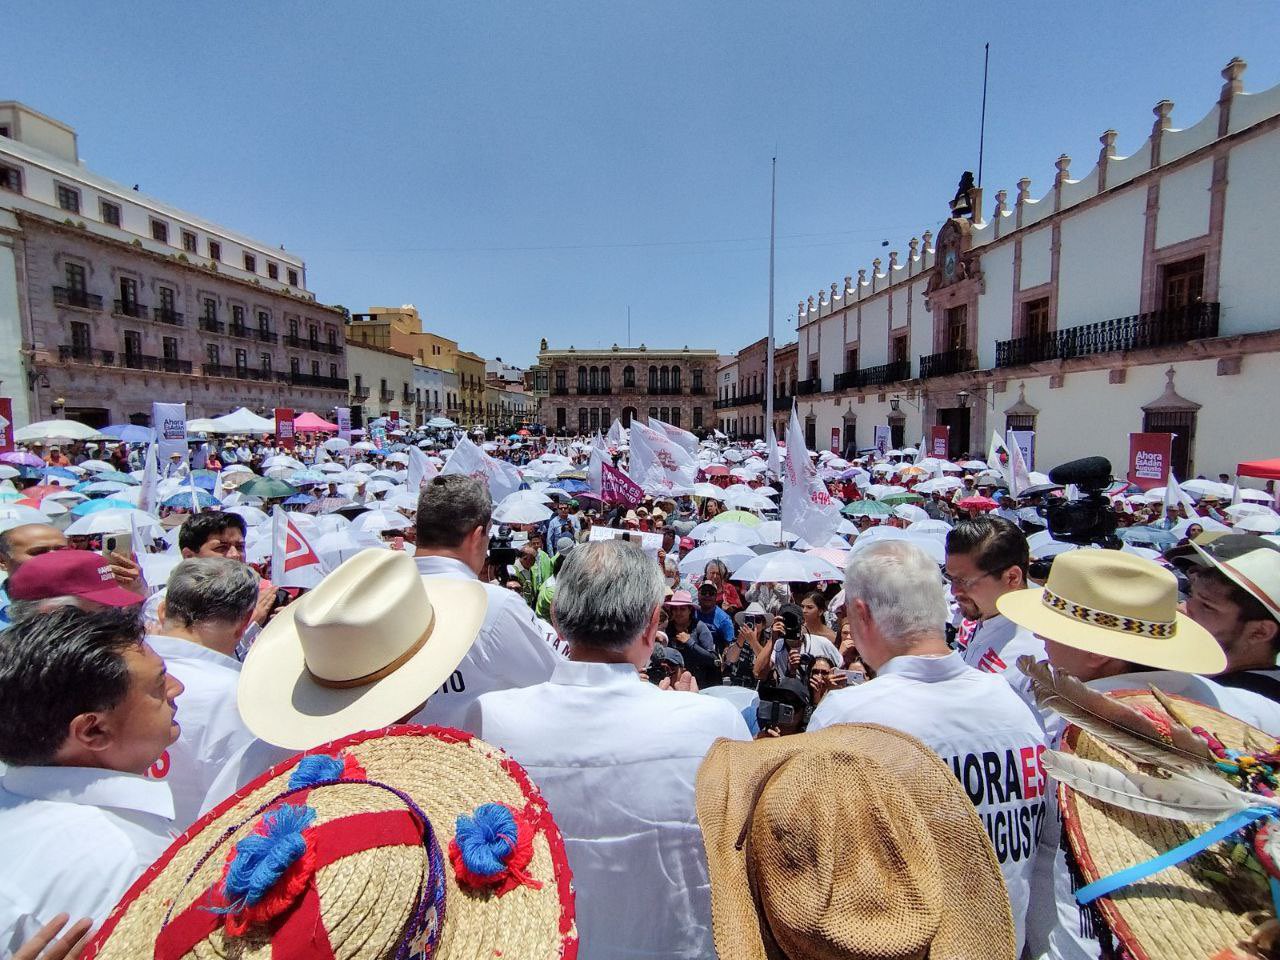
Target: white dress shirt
{"type": "Point", "coordinates": [74, 839]}
{"type": "Point", "coordinates": [995, 646]}
{"type": "Point", "coordinates": [990, 739]}
{"type": "Point", "coordinates": [616, 759]}
{"type": "Point", "coordinates": [212, 731]}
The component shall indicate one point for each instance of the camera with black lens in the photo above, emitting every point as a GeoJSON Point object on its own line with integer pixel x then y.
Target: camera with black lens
{"type": "Point", "coordinates": [1087, 520]}
{"type": "Point", "coordinates": [501, 552]}
{"type": "Point", "coordinates": [785, 706]}
{"type": "Point", "coordinates": [664, 663]}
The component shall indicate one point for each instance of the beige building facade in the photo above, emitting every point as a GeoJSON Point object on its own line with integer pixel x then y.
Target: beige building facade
{"type": "Point", "coordinates": [381, 384]}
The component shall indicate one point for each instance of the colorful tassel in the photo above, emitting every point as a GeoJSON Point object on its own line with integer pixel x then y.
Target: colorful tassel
{"type": "Point", "coordinates": [491, 849]}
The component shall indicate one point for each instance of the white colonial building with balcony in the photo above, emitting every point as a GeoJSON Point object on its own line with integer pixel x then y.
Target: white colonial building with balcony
{"type": "Point", "coordinates": [1141, 295]}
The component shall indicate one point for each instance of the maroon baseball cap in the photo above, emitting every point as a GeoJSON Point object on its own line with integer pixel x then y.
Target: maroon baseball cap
{"type": "Point", "coordinates": [69, 573]}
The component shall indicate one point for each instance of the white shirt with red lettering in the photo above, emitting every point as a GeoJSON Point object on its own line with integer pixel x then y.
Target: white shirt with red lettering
{"type": "Point", "coordinates": [990, 739]}
{"type": "Point", "coordinates": [995, 646]}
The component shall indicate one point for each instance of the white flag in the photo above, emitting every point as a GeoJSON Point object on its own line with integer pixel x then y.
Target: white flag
{"type": "Point", "coordinates": [775, 458]}
{"type": "Point", "coordinates": [500, 477]}
{"type": "Point", "coordinates": [293, 561]}
{"type": "Point", "coordinates": [595, 464]}
{"type": "Point", "coordinates": [920, 453]}
{"type": "Point", "coordinates": [615, 436]}
{"type": "Point", "coordinates": [658, 464]}
{"type": "Point", "coordinates": [998, 458]}
{"type": "Point", "coordinates": [1175, 496]}
{"type": "Point", "coordinates": [682, 437]}
{"type": "Point", "coordinates": [148, 493]}
{"type": "Point", "coordinates": [421, 470]}
{"type": "Point", "coordinates": [1018, 476]}
{"type": "Point", "coordinates": [1236, 497]}
{"type": "Point", "coordinates": [808, 511]}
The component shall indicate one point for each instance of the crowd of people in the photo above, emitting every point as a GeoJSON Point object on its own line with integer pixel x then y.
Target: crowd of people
{"type": "Point", "coordinates": [648, 723]}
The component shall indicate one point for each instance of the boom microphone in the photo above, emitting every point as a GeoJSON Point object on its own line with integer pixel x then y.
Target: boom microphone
{"type": "Point", "coordinates": [1089, 472]}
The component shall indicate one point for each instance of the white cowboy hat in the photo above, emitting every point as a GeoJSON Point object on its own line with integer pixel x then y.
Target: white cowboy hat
{"type": "Point", "coordinates": [1257, 573]}
{"type": "Point", "coordinates": [360, 651]}
{"type": "Point", "coordinates": [1116, 605]}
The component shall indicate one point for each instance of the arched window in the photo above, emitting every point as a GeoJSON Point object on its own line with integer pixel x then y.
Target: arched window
{"type": "Point", "coordinates": [628, 378]}
{"type": "Point", "coordinates": [605, 418]}
{"type": "Point", "coordinates": [582, 420]}
{"type": "Point", "coordinates": [675, 417]}
{"type": "Point", "coordinates": [595, 419]}
{"type": "Point", "coordinates": [604, 379]}
{"type": "Point", "coordinates": [595, 379]}
{"type": "Point", "coordinates": [665, 413]}
{"type": "Point", "coordinates": [582, 379]}
{"type": "Point", "coordinates": [653, 379]}
{"type": "Point", "coordinates": [664, 378]}
{"type": "Point", "coordinates": [675, 379]}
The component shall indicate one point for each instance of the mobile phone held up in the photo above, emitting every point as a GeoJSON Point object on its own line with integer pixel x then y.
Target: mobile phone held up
{"type": "Point", "coordinates": [121, 543]}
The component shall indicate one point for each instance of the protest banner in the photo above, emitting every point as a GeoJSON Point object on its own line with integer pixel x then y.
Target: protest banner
{"type": "Point", "coordinates": [939, 441]}
{"type": "Point", "coordinates": [343, 419]}
{"type": "Point", "coordinates": [170, 423]}
{"type": "Point", "coordinates": [6, 425]}
{"type": "Point", "coordinates": [1026, 440]}
{"type": "Point", "coordinates": [1149, 455]}
{"type": "Point", "coordinates": [617, 487]}
{"type": "Point", "coordinates": [835, 440]}
{"type": "Point", "coordinates": [883, 437]}
{"type": "Point", "coordinates": [650, 543]}
{"type": "Point", "coordinates": [284, 428]}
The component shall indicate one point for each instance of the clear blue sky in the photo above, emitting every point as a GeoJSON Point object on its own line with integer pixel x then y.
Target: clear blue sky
{"type": "Point", "coordinates": [521, 170]}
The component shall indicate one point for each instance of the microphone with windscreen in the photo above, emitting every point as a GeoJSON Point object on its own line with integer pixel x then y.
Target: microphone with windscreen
{"type": "Point", "coordinates": [1089, 519]}
{"type": "Point", "coordinates": [1087, 473]}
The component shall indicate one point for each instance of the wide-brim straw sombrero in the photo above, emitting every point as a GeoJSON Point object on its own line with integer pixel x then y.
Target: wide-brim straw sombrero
{"type": "Point", "coordinates": [849, 842]}
{"type": "Point", "coordinates": [366, 899]}
{"type": "Point", "coordinates": [1179, 912]}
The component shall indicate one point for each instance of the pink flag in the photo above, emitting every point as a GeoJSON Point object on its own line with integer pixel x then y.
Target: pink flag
{"type": "Point", "coordinates": [617, 487]}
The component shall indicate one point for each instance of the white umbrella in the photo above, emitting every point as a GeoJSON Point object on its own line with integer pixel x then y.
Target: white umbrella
{"type": "Point", "coordinates": [1258, 496]}
{"type": "Point", "coordinates": [334, 444]}
{"type": "Point", "coordinates": [336, 547]}
{"type": "Point", "coordinates": [331, 467]}
{"type": "Point", "coordinates": [364, 445]}
{"type": "Point", "coordinates": [708, 490]}
{"type": "Point", "coordinates": [1259, 524]}
{"type": "Point", "coordinates": [695, 561]}
{"type": "Point", "coordinates": [94, 466]}
{"type": "Point", "coordinates": [441, 423]}
{"type": "Point", "coordinates": [1238, 511]}
{"type": "Point", "coordinates": [8, 473]}
{"type": "Point", "coordinates": [974, 465]}
{"type": "Point", "coordinates": [910, 512]}
{"type": "Point", "coordinates": [55, 430]}
{"type": "Point", "coordinates": [375, 521]}
{"type": "Point", "coordinates": [748, 500]}
{"type": "Point", "coordinates": [51, 508]}
{"type": "Point", "coordinates": [283, 460]}
{"type": "Point", "coordinates": [930, 526]}
{"type": "Point", "coordinates": [111, 521]}
{"type": "Point", "coordinates": [252, 516]}
{"type": "Point", "coordinates": [15, 515]}
{"type": "Point", "coordinates": [939, 484]}
{"type": "Point", "coordinates": [520, 511]}
{"type": "Point", "coordinates": [732, 533]}
{"type": "Point", "coordinates": [770, 531]}
{"type": "Point", "coordinates": [787, 566]}
{"type": "Point", "coordinates": [363, 468]}
{"type": "Point", "coordinates": [233, 468]}
{"type": "Point", "coordinates": [1208, 488]}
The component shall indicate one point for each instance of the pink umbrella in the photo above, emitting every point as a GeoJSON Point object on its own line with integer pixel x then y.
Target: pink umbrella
{"type": "Point", "coordinates": [21, 458]}
{"type": "Point", "coordinates": [311, 423]}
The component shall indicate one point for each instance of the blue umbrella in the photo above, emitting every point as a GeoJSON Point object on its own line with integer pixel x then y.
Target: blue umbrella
{"type": "Point", "coordinates": [117, 476]}
{"type": "Point", "coordinates": [93, 506]}
{"type": "Point", "coordinates": [182, 501]}
{"type": "Point", "coordinates": [129, 433]}
{"type": "Point", "coordinates": [308, 476]}
{"type": "Point", "coordinates": [299, 500]}
{"type": "Point", "coordinates": [62, 472]}
{"type": "Point", "coordinates": [91, 487]}
{"type": "Point", "coordinates": [571, 486]}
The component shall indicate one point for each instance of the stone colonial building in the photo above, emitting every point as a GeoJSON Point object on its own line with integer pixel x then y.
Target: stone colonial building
{"type": "Point", "coordinates": [1139, 295]}
{"type": "Point", "coordinates": [586, 390]}
{"type": "Point", "coordinates": [110, 300]}
{"type": "Point", "coordinates": [740, 399]}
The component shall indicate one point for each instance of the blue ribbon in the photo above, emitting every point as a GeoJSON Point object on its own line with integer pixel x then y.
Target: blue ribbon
{"type": "Point", "coordinates": [1123, 878]}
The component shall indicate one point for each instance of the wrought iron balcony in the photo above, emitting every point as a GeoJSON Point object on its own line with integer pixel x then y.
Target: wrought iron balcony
{"type": "Point", "coordinates": [140, 361]}
{"type": "Point", "coordinates": [212, 324]}
{"type": "Point", "coordinates": [698, 391]}
{"type": "Point", "coordinates": [749, 400]}
{"type": "Point", "coordinates": [164, 315]}
{"type": "Point", "coordinates": [947, 362]}
{"type": "Point", "coordinates": [266, 336]}
{"type": "Point", "coordinates": [874, 376]}
{"type": "Point", "coordinates": [667, 391]}
{"type": "Point", "coordinates": [1197, 321]}
{"type": "Point", "coordinates": [324, 383]}
{"type": "Point", "coordinates": [216, 370]}
{"type": "Point", "coordinates": [239, 330]}
{"type": "Point", "coordinates": [783, 403]}
{"type": "Point", "coordinates": [386, 396]}
{"type": "Point", "coordinates": [722, 404]}
{"type": "Point", "coordinates": [71, 297]}
{"type": "Point", "coordinates": [595, 391]}
{"type": "Point", "coordinates": [128, 308]}
{"type": "Point", "coordinates": [73, 353]}
{"type": "Point", "coordinates": [806, 387]}
{"type": "Point", "coordinates": [559, 391]}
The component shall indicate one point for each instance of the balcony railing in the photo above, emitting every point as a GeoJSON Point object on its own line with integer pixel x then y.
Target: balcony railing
{"type": "Point", "coordinates": [559, 391]}
{"type": "Point", "coordinates": [698, 391]}
{"type": "Point", "coordinates": [266, 336]}
{"type": "Point", "coordinates": [595, 391]}
{"type": "Point", "coordinates": [783, 403]}
{"type": "Point", "coordinates": [71, 353]}
{"type": "Point", "coordinates": [239, 330]}
{"type": "Point", "coordinates": [71, 297]}
{"type": "Point", "coordinates": [387, 396]}
{"type": "Point", "coordinates": [140, 361]}
{"type": "Point", "coordinates": [212, 324]}
{"type": "Point", "coordinates": [667, 391]}
{"type": "Point", "coordinates": [1197, 321]}
{"type": "Point", "coordinates": [127, 308]}
{"type": "Point", "coordinates": [216, 370]}
{"type": "Point", "coordinates": [806, 387]}
{"type": "Point", "coordinates": [749, 400]}
{"type": "Point", "coordinates": [164, 315]}
{"type": "Point", "coordinates": [949, 361]}
{"type": "Point", "coordinates": [722, 404]}
{"type": "Point", "coordinates": [326, 383]}
{"type": "Point", "coordinates": [408, 397]}
{"type": "Point", "coordinates": [874, 376]}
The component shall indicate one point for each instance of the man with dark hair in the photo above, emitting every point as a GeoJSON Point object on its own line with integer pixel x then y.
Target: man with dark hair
{"type": "Point", "coordinates": [616, 759]}
{"type": "Point", "coordinates": [86, 707]}
{"type": "Point", "coordinates": [987, 557]}
{"type": "Point", "coordinates": [514, 648]}
{"type": "Point", "coordinates": [208, 605]}
{"type": "Point", "coordinates": [22, 543]}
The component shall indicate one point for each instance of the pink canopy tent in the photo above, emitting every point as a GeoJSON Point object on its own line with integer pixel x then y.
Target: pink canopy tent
{"type": "Point", "coordinates": [1266, 469]}
{"type": "Point", "coordinates": [311, 423]}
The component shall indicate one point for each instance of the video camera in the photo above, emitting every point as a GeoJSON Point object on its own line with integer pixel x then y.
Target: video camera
{"type": "Point", "coordinates": [501, 553]}
{"type": "Point", "coordinates": [785, 705]}
{"type": "Point", "coordinates": [1088, 520]}
{"type": "Point", "coordinates": [664, 662]}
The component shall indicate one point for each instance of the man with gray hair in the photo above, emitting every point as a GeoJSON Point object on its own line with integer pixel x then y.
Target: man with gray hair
{"type": "Point", "coordinates": [616, 759]}
{"type": "Point", "coordinates": [896, 605]}
{"type": "Point", "coordinates": [208, 604]}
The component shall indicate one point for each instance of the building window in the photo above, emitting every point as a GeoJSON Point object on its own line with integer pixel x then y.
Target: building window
{"type": "Point", "coordinates": [628, 378]}
{"type": "Point", "coordinates": [189, 242]}
{"type": "Point", "coordinates": [1020, 422]}
{"type": "Point", "coordinates": [264, 321]}
{"type": "Point", "coordinates": [332, 335]}
{"type": "Point", "coordinates": [237, 317]}
{"type": "Point", "coordinates": [295, 371]}
{"type": "Point", "coordinates": [900, 349]}
{"type": "Point", "coordinates": [132, 346]}
{"type": "Point", "coordinates": [697, 378]}
{"type": "Point", "coordinates": [333, 371]}
{"type": "Point", "coordinates": [169, 345]}
{"type": "Point", "coordinates": [213, 354]}
{"type": "Point", "coordinates": [10, 178]}
{"type": "Point", "coordinates": [293, 278]}
{"type": "Point", "coordinates": [813, 370]}
{"type": "Point", "coordinates": [159, 230]}
{"type": "Point", "coordinates": [128, 295]}
{"type": "Point", "coordinates": [312, 333]}
{"type": "Point", "coordinates": [851, 361]}
{"type": "Point", "coordinates": [583, 420]}
{"type": "Point", "coordinates": [582, 379]}
{"type": "Point", "coordinates": [273, 270]}
{"type": "Point", "coordinates": [675, 416]}
{"type": "Point", "coordinates": [560, 382]}
{"type": "Point", "coordinates": [264, 360]}
{"type": "Point", "coordinates": [315, 368]}
{"type": "Point", "coordinates": [664, 380]}
{"type": "Point", "coordinates": [210, 309]}
{"type": "Point", "coordinates": [110, 212]}
{"type": "Point", "coordinates": [958, 328]}
{"type": "Point", "coordinates": [653, 379]}
{"type": "Point", "coordinates": [75, 279]}
{"type": "Point", "coordinates": [1182, 424]}
{"type": "Point", "coordinates": [242, 360]}
{"type": "Point", "coordinates": [675, 379]}
{"type": "Point", "coordinates": [697, 418]}
{"type": "Point", "coordinates": [80, 340]}
{"type": "Point", "coordinates": [593, 421]}
{"type": "Point", "coordinates": [1182, 284]}
{"type": "Point", "coordinates": [250, 263]}
{"type": "Point", "coordinates": [561, 418]}
{"type": "Point", "coordinates": [215, 250]}
{"type": "Point", "coordinates": [293, 327]}
{"type": "Point", "coordinates": [68, 198]}
{"type": "Point", "coordinates": [1035, 318]}
{"type": "Point", "coordinates": [167, 305]}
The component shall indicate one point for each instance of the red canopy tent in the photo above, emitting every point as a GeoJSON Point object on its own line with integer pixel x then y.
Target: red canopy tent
{"type": "Point", "coordinates": [1266, 469]}
{"type": "Point", "coordinates": [310, 423]}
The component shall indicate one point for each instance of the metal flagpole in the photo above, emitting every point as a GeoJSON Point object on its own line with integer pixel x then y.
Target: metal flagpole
{"type": "Point", "coordinates": [982, 128]}
{"type": "Point", "coordinates": [768, 373]}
